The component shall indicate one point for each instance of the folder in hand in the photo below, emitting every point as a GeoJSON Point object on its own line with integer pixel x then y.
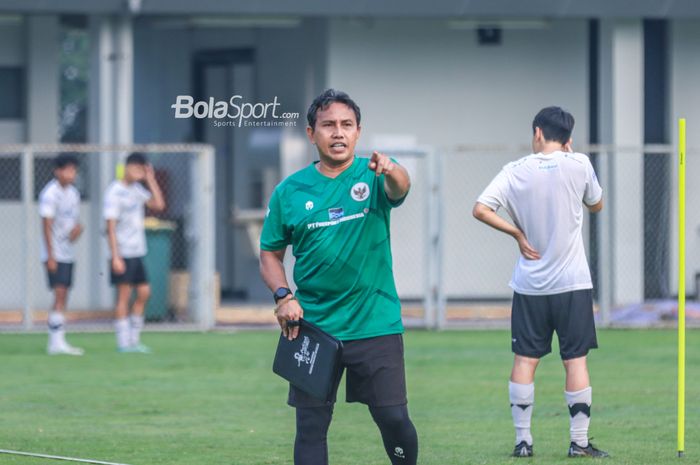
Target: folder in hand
{"type": "Point", "coordinates": [311, 361]}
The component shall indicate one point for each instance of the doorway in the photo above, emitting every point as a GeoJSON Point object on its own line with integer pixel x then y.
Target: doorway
{"type": "Point", "coordinates": [221, 74]}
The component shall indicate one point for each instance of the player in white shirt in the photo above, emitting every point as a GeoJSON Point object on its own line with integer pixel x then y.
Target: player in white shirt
{"type": "Point", "coordinates": [124, 212]}
{"type": "Point", "coordinates": [544, 194]}
{"type": "Point", "coordinates": [59, 208]}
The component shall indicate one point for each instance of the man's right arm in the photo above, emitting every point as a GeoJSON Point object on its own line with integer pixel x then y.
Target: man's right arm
{"type": "Point", "coordinates": [272, 271]}
{"type": "Point", "coordinates": [117, 262]}
{"type": "Point", "coordinates": [595, 208]}
{"type": "Point", "coordinates": [51, 264]}
{"type": "Point", "coordinates": [487, 215]}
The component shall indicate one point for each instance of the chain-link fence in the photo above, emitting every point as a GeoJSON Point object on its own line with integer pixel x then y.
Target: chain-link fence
{"type": "Point", "coordinates": [449, 268]}
{"type": "Point", "coordinates": [180, 241]}
{"type": "Point", "coordinates": [414, 234]}
{"type": "Point", "coordinates": [632, 245]}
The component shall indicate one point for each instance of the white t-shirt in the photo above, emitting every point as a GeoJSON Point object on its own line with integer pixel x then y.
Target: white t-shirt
{"type": "Point", "coordinates": [544, 196]}
{"type": "Point", "coordinates": [62, 204]}
{"type": "Point", "coordinates": [125, 203]}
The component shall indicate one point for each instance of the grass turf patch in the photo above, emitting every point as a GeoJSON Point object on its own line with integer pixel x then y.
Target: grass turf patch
{"type": "Point", "coordinates": [212, 399]}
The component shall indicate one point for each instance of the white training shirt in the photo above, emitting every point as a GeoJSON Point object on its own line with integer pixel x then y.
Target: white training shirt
{"type": "Point", "coordinates": [125, 203]}
{"type": "Point", "coordinates": [62, 204]}
{"type": "Point", "coordinates": [544, 196]}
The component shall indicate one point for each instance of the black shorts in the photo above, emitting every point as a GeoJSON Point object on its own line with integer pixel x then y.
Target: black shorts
{"type": "Point", "coordinates": [134, 274]}
{"type": "Point", "coordinates": [375, 374]}
{"type": "Point", "coordinates": [63, 276]}
{"type": "Point", "coordinates": [535, 318]}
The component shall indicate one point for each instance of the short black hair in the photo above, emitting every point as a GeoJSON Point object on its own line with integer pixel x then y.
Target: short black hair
{"type": "Point", "coordinates": [325, 99]}
{"type": "Point", "coordinates": [65, 159]}
{"type": "Point", "coordinates": [556, 124]}
{"type": "Point", "coordinates": [136, 158]}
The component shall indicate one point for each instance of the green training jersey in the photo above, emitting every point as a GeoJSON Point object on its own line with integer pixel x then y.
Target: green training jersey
{"type": "Point", "coordinates": [339, 232]}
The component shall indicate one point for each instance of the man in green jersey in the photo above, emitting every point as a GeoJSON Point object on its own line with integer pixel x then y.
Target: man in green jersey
{"type": "Point", "coordinates": [335, 214]}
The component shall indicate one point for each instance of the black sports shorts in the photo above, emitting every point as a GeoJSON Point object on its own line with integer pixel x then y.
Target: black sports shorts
{"type": "Point", "coordinates": [375, 374]}
{"type": "Point", "coordinates": [135, 272]}
{"type": "Point", "coordinates": [63, 276]}
{"type": "Point", "coordinates": [535, 318]}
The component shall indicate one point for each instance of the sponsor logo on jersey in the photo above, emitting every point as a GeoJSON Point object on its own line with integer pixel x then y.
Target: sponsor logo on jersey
{"type": "Point", "coordinates": [325, 224]}
{"type": "Point", "coordinates": [335, 213]}
{"type": "Point", "coordinates": [360, 191]}
{"type": "Point", "coordinates": [309, 205]}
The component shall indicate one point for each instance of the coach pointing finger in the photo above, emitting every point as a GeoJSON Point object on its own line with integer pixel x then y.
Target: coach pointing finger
{"type": "Point", "coordinates": [335, 213]}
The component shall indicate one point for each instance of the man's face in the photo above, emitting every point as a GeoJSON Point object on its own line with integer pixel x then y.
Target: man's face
{"type": "Point", "coordinates": [335, 134]}
{"type": "Point", "coordinates": [66, 175]}
{"type": "Point", "coordinates": [134, 172]}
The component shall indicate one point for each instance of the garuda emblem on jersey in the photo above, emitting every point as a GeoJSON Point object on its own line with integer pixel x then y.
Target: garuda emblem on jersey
{"type": "Point", "coordinates": [360, 191]}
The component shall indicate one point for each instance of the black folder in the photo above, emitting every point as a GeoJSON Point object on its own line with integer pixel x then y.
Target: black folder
{"type": "Point", "coordinates": [311, 361]}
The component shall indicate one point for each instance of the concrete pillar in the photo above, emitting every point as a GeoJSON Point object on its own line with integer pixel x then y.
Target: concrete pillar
{"type": "Point", "coordinates": [43, 84]}
{"type": "Point", "coordinates": [124, 80]}
{"type": "Point", "coordinates": [622, 124]}
{"type": "Point", "coordinates": [111, 101]}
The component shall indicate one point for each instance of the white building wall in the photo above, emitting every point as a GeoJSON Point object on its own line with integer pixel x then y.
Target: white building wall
{"type": "Point", "coordinates": [685, 103]}
{"type": "Point", "coordinates": [425, 79]}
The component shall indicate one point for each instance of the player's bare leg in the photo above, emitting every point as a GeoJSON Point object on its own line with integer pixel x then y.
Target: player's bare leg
{"type": "Point", "coordinates": [524, 369]}
{"type": "Point", "coordinates": [521, 390]}
{"type": "Point", "coordinates": [60, 294]}
{"type": "Point", "coordinates": [56, 322]}
{"type": "Point", "coordinates": [576, 374]}
{"type": "Point", "coordinates": [121, 311]}
{"type": "Point", "coordinates": [143, 292]}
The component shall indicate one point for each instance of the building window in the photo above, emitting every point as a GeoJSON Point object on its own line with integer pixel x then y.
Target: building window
{"type": "Point", "coordinates": [11, 92]}
{"type": "Point", "coordinates": [10, 178]}
{"type": "Point", "coordinates": [74, 69]}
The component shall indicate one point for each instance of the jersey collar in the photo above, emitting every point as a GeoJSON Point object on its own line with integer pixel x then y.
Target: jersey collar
{"type": "Point", "coordinates": [342, 175]}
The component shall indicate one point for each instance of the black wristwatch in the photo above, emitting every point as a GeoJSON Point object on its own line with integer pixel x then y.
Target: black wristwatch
{"type": "Point", "coordinates": [281, 293]}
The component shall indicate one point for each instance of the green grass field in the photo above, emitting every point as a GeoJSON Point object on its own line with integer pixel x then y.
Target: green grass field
{"type": "Point", "coordinates": [212, 399]}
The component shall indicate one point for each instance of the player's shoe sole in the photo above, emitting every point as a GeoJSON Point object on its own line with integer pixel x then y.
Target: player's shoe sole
{"type": "Point", "coordinates": [142, 349]}
{"type": "Point", "coordinates": [65, 350]}
{"type": "Point", "coordinates": [589, 451]}
{"type": "Point", "coordinates": [137, 349]}
{"type": "Point", "coordinates": [523, 449]}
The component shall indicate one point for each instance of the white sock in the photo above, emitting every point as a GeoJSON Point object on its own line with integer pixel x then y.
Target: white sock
{"type": "Point", "coordinates": [522, 398]}
{"type": "Point", "coordinates": [121, 328]}
{"type": "Point", "coordinates": [136, 327]}
{"type": "Point", "coordinates": [57, 334]}
{"type": "Point", "coordinates": [579, 403]}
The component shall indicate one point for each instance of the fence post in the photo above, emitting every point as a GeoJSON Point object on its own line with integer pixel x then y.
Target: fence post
{"type": "Point", "coordinates": [429, 316]}
{"type": "Point", "coordinates": [435, 306]}
{"type": "Point", "coordinates": [202, 217]}
{"type": "Point", "coordinates": [605, 239]}
{"type": "Point", "coordinates": [27, 262]}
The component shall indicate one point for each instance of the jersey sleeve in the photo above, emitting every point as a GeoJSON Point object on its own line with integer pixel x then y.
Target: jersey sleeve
{"type": "Point", "coordinates": [276, 235]}
{"type": "Point", "coordinates": [143, 193]}
{"type": "Point", "coordinates": [593, 192]}
{"type": "Point", "coordinates": [47, 204]}
{"type": "Point", "coordinates": [385, 200]}
{"type": "Point", "coordinates": [76, 194]}
{"type": "Point", "coordinates": [495, 194]}
{"type": "Point", "coordinates": [110, 209]}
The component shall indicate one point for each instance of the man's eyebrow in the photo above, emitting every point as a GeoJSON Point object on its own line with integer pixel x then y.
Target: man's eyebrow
{"type": "Point", "coordinates": [346, 120]}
